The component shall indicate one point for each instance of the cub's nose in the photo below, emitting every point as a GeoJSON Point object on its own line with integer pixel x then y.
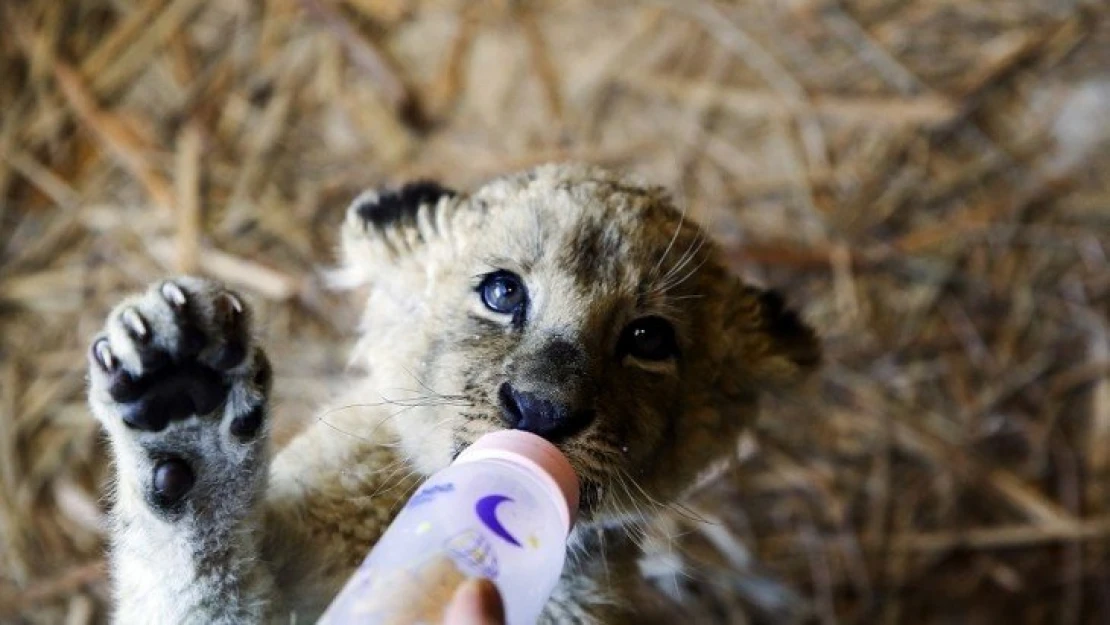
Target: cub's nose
{"type": "Point", "coordinates": [532, 413]}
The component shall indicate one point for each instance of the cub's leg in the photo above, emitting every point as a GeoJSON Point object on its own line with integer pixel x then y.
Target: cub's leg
{"type": "Point", "coordinates": [181, 390]}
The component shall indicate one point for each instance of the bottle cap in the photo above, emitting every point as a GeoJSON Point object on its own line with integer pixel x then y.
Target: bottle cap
{"type": "Point", "coordinates": [537, 455]}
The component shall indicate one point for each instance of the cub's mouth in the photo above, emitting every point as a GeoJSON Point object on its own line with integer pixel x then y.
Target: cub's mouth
{"type": "Point", "coordinates": [590, 478]}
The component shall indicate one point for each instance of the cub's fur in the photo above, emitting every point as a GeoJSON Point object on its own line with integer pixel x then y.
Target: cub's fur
{"type": "Point", "coordinates": [564, 300]}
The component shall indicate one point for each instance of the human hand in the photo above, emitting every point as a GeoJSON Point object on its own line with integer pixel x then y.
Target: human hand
{"type": "Point", "coordinates": [476, 602]}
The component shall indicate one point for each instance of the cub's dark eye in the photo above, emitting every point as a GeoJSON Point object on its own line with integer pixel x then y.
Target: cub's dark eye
{"type": "Point", "coordinates": [503, 292]}
{"type": "Point", "coordinates": [650, 338]}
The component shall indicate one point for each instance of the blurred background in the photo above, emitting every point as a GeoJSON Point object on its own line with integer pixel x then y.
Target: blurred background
{"type": "Point", "coordinates": [928, 180]}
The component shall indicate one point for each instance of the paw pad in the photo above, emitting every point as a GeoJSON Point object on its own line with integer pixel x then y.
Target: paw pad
{"type": "Point", "coordinates": [247, 425]}
{"type": "Point", "coordinates": [173, 479]}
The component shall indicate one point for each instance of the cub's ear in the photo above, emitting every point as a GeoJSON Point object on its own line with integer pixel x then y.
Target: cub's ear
{"type": "Point", "coordinates": [388, 228]}
{"type": "Point", "coordinates": [397, 207]}
{"type": "Point", "coordinates": [771, 347]}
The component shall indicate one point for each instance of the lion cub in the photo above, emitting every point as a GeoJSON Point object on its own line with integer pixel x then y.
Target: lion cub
{"type": "Point", "coordinates": [565, 301]}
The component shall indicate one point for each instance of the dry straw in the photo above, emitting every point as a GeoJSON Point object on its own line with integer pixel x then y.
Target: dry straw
{"type": "Point", "coordinates": [927, 179]}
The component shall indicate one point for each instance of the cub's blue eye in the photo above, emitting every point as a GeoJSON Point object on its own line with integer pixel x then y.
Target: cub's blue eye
{"type": "Point", "coordinates": [503, 292]}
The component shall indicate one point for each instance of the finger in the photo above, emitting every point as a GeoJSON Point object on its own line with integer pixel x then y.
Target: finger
{"type": "Point", "coordinates": [476, 602]}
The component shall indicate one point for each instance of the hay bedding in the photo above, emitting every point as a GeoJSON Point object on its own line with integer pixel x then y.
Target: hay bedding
{"type": "Point", "coordinates": [927, 178]}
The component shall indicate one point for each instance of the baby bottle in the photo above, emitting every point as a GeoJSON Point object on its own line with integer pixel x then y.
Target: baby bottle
{"type": "Point", "coordinates": [501, 511]}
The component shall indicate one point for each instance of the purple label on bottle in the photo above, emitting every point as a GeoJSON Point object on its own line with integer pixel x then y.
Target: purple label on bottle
{"type": "Point", "coordinates": [429, 493]}
{"type": "Point", "coordinates": [486, 508]}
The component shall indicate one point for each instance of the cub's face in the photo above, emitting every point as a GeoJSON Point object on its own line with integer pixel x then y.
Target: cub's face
{"type": "Point", "coordinates": [574, 305]}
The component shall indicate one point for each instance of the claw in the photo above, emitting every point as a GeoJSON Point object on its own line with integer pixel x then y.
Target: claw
{"type": "Point", "coordinates": [103, 355]}
{"type": "Point", "coordinates": [134, 322]}
{"type": "Point", "coordinates": [174, 295]}
{"type": "Point", "coordinates": [236, 305]}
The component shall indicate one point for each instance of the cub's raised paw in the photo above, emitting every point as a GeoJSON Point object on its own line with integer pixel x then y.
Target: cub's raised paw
{"type": "Point", "coordinates": [181, 389]}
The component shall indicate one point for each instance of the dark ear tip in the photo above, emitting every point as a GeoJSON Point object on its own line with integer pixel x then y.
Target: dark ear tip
{"type": "Point", "coordinates": [799, 342]}
{"type": "Point", "coordinates": [390, 207]}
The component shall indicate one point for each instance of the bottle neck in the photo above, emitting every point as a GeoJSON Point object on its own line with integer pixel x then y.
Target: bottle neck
{"type": "Point", "coordinates": [552, 489]}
